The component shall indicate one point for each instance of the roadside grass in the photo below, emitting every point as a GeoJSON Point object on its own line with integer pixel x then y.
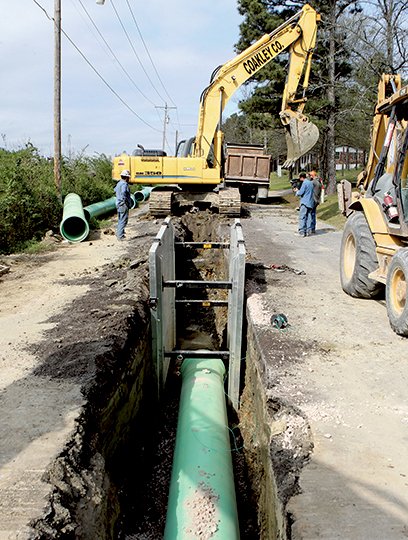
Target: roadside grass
{"type": "Point", "coordinates": [100, 223]}
{"type": "Point", "coordinates": [36, 247]}
{"type": "Point", "coordinates": [350, 175]}
{"type": "Point", "coordinates": [329, 212]}
{"type": "Point", "coordinates": [279, 183]}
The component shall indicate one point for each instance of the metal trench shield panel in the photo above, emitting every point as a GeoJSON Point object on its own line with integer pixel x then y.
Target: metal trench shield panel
{"type": "Point", "coordinates": [163, 304]}
{"type": "Point", "coordinates": [162, 300]}
{"type": "Point", "coordinates": [235, 310]}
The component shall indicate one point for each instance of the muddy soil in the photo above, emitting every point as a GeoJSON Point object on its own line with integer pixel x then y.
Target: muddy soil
{"type": "Point", "coordinates": [66, 318]}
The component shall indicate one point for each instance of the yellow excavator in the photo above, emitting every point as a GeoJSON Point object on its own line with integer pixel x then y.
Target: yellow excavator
{"type": "Point", "coordinates": [198, 166]}
{"type": "Point", "coordinates": [374, 249]}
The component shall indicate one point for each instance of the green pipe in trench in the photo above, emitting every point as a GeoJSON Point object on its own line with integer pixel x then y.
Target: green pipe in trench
{"type": "Point", "coordinates": [202, 502]}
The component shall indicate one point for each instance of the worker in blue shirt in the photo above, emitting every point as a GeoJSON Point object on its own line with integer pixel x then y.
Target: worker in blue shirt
{"type": "Point", "coordinates": [307, 205]}
{"type": "Point", "coordinates": [123, 203]}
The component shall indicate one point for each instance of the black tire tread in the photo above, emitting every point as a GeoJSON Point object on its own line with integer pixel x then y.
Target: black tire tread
{"type": "Point", "coordinates": [398, 322]}
{"type": "Point", "coordinates": [360, 285]}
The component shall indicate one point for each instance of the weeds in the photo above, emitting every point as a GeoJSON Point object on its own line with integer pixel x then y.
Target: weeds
{"type": "Point", "coordinates": [29, 204]}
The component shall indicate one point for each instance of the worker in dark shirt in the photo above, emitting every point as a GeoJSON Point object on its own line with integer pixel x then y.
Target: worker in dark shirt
{"type": "Point", "coordinates": [123, 203]}
{"type": "Point", "coordinates": [307, 205]}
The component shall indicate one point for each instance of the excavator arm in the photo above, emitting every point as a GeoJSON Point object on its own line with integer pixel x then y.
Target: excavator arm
{"type": "Point", "coordinates": [387, 87]}
{"type": "Point", "coordinates": [298, 35]}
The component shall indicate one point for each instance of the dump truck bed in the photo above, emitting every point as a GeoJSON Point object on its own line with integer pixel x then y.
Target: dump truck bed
{"type": "Point", "coordinates": [247, 164]}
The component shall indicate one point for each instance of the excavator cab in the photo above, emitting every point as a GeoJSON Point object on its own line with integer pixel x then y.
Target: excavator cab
{"type": "Point", "coordinates": [400, 179]}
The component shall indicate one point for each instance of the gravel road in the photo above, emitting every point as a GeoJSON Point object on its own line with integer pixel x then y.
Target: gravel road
{"type": "Point", "coordinates": [350, 381]}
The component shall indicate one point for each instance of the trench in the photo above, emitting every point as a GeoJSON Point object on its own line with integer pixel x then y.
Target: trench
{"type": "Point", "coordinates": [197, 327]}
{"type": "Point", "coordinates": [122, 454]}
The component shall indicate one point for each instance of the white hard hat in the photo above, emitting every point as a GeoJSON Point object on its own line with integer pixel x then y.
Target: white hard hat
{"type": "Point", "coordinates": [125, 174]}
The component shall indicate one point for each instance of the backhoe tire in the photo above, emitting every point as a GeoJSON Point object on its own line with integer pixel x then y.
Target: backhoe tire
{"type": "Point", "coordinates": [358, 259]}
{"type": "Point", "coordinates": [396, 292]}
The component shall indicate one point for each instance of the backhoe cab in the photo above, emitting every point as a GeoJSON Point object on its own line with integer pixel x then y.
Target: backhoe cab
{"type": "Point", "coordinates": [199, 166]}
{"type": "Point", "coordinates": [374, 251]}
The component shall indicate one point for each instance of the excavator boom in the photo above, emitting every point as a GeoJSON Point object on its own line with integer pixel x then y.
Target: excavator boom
{"type": "Point", "coordinates": [298, 36]}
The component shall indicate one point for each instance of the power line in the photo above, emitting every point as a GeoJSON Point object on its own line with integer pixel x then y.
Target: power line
{"type": "Point", "coordinates": [148, 53]}
{"type": "Point", "coordinates": [114, 55]}
{"type": "Point", "coordinates": [97, 72]}
{"type": "Point", "coordinates": [106, 83]}
{"type": "Point", "coordinates": [134, 50]}
{"type": "Point", "coordinates": [151, 60]}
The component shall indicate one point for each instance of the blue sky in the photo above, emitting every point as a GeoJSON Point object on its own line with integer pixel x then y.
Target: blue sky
{"type": "Point", "coordinates": [185, 39]}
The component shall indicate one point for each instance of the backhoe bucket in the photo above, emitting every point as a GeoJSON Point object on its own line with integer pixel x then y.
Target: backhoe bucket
{"type": "Point", "coordinates": [301, 136]}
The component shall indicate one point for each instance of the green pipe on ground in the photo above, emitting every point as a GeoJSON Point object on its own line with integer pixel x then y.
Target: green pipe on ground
{"type": "Point", "coordinates": [104, 207]}
{"type": "Point", "coordinates": [100, 208]}
{"type": "Point", "coordinates": [143, 194]}
{"type": "Point", "coordinates": [202, 501]}
{"type": "Point", "coordinates": [74, 226]}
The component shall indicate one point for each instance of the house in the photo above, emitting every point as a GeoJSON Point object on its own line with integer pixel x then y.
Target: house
{"type": "Point", "coordinates": [348, 157]}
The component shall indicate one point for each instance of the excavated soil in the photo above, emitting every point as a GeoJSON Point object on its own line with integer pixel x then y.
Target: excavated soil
{"type": "Point", "coordinates": [319, 447]}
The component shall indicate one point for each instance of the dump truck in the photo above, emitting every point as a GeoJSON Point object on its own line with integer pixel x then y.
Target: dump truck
{"type": "Point", "coordinates": [197, 171]}
{"type": "Point", "coordinates": [374, 248]}
{"type": "Point", "coordinates": [248, 167]}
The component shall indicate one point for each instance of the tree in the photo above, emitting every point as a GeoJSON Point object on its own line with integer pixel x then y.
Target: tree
{"type": "Point", "coordinates": [330, 69]}
{"type": "Point", "coordinates": [378, 37]}
{"type": "Point", "coordinates": [243, 128]}
{"type": "Point", "coordinates": [335, 68]}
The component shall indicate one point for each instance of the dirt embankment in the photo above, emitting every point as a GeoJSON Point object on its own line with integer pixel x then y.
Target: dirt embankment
{"type": "Point", "coordinates": [71, 321]}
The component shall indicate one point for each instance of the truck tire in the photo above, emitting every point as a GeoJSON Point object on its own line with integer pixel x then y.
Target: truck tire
{"type": "Point", "coordinates": [396, 292]}
{"type": "Point", "coordinates": [358, 259]}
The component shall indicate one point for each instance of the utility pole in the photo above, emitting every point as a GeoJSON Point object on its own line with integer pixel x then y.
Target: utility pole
{"type": "Point", "coordinates": [57, 97]}
{"type": "Point", "coordinates": [166, 120]}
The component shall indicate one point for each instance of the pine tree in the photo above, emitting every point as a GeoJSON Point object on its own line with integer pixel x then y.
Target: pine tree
{"type": "Point", "coordinates": [329, 72]}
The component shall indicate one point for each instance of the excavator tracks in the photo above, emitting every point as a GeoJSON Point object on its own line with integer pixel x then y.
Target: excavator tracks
{"type": "Point", "coordinates": [229, 203]}
{"type": "Point", "coordinates": [160, 203]}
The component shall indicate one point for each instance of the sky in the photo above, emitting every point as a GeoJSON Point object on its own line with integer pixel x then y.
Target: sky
{"type": "Point", "coordinates": [183, 41]}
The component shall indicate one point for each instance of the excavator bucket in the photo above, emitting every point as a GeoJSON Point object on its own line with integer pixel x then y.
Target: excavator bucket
{"type": "Point", "coordinates": [301, 136]}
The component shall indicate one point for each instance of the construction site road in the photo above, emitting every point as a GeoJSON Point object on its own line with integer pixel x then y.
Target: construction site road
{"type": "Point", "coordinates": [347, 376]}
{"type": "Point", "coordinates": [350, 382]}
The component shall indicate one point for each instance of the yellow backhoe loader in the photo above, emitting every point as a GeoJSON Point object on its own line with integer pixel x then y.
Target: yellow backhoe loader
{"type": "Point", "coordinates": [198, 166]}
{"type": "Point", "coordinates": [374, 249]}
